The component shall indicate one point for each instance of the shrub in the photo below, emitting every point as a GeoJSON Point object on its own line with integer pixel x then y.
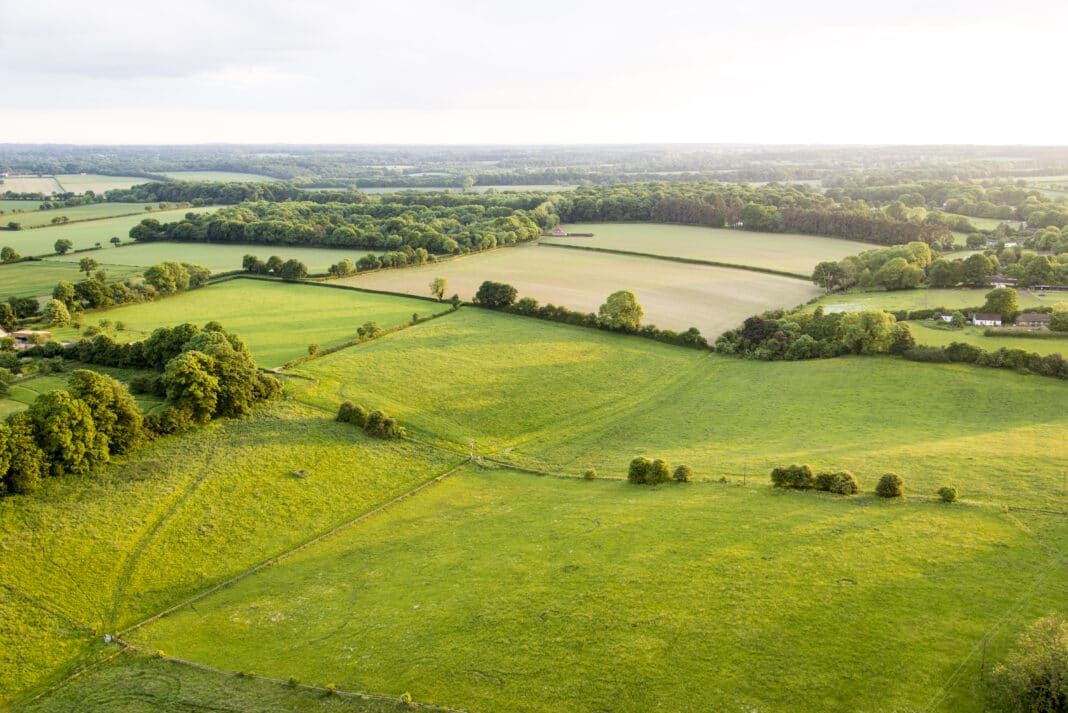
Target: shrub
{"type": "Point", "coordinates": [658, 472]}
{"type": "Point", "coordinates": [352, 413]}
{"type": "Point", "coordinates": [313, 349]}
{"type": "Point", "coordinates": [795, 476]}
{"type": "Point", "coordinates": [824, 480]}
{"type": "Point", "coordinates": [1034, 676]}
{"type": "Point", "coordinates": [684, 474]}
{"type": "Point", "coordinates": [637, 470]}
{"type": "Point", "coordinates": [845, 483]}
{"type": "Point", "coordinates": [948, 494]}
{"type": "Point", "coordinates": [590, 474]}
{"type": "Point", "coordinates": [890, 486]}
{"type": "Point", "coordinates": [380, 425]}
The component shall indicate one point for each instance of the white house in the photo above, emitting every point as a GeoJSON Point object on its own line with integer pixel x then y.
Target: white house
{"type": "Point", "coordinates": [986, 320]}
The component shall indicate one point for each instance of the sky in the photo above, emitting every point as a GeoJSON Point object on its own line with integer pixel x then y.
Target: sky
{"type": "Point", "coordinates": [479, 71]}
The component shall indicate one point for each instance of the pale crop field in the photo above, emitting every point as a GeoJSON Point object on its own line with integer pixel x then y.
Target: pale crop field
{"type": "Point", "coordinates": [219, 176]}
{"type": "Point", "coordinates": [221, 257]}
{"type": "Point", "coordinates": [97, 183]}
{"type": "Point", "coordinates": [674, 295]}
{"type": "Point", "coordinates": [30, 184]}
{"type": "Point", "coordinates": [925, 299]}
{"type": "Point", "coordinates": [86, 234]}
{"type": "Point", "coordinates": [775, 251]}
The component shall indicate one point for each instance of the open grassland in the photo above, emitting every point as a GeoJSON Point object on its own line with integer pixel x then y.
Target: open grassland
{"type": "Point", "coordinates": [983, 223]}
{"type": "Point", "coordinates": [12, 207]}
{"type": "Point", "coordinates": [924, 299]}
{"type": "Point", "coordinates": [276, 320]}
{"type": "Point", "coordinates": [774, 251]}
{"type": "Point", "coordinates": [220, 176]}
{"type": "Point", "coordinates": [223, 258]}
{"type": "Point", "coordinates": [97, 183]}
{"type": "Point", "coordinates": [138, 683]}
{"type": "Point", "coordinates": [36, 279]}
{"type": "Point", "coordinates": [25, 391]}
{"type": "Point", "coordinates": [94, 211]}
{"type": "Point", "coordinates": [567, 399]}
{"type": "Point", "coordinates": [86, 233]}
{"type": "Point", "coordinates": [501, 591]}
{"type": "Point", "coordinates": [674, 295]}
{"type": "Point", "coordinates": [30, 184]}
{"type": "Point", "coordinates": [937, 337]}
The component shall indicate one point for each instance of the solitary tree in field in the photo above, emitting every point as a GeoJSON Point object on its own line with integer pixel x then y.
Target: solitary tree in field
{"type": "Point", "coordinates": [8, 254]}
{"type": "Point", "coordinates": [115, 240]}
{"type": "Point", "coordinates": [87, 265]}
{"type": "Point", "coordinates": [621, 311]}
{"type": "Point", "coordinates": [63, 246]}
{"type": "Point", "coordinates": [438, 286]}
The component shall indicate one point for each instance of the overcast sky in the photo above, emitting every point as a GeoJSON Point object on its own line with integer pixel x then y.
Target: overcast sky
{"type": "Point", "coordinates": [408, 71]}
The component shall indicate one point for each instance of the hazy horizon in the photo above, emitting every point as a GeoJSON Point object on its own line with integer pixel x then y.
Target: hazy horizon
{"type": "Point", "coordinates": [477, 73]}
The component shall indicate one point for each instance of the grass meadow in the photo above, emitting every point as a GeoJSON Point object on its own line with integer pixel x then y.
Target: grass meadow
{"type": "Point", "coordinates": [276, 320]}
{"type": "Point", "coordinates": [25, 391]}
{"type": "Point", "coordinates": [94, 211]}
{"type": "Point", "coordinates": [220, 176]}
{"type": "Point", "coordinates": [501, 591]}
{"type": "Point", "coordinates": [222, 258]}
{"type": "Point", "coordinates": [38, 278]}
{"type": "Point", "coordinates": [12, 207]}
{"type": "Point", "coordinates": [775, 251]}
{"type": "Point", "coordinates": [30, 184]}
{"type": "Point", "coordinates": [924, 299]}
{"type": "Point", "coordinates": [86, 234]}
{"type": "Point", "coordinates": [97, 183]}
{"type": "Point", "coordinates": [931, 335]}
{"type": "Point", "coordinates": [674, 295]}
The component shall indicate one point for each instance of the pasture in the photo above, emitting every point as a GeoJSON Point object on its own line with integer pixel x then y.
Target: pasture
{"type": "Point", "coordinates": [674, 295]}
{"type": "Point", "coordinates": [218, 176]}
{"type": "Point", "coordinates": [932, 335]}
{"type": "Point", "coordinates": [501, 591]}
{"type": "Point", "coordinates": [97, 183]}
{"type": "Point", "coordinates": [37, 278]}
{"type": "Point", "coordinates": [30, 184]}
{"type": "Point", "coordinates": [983, 223]}
{"type": "Point", "coordinates": [94, 211]}
{"type": "Point", "coordinates": [86, 234]}
{"type": "Point", "coordinates": [950, 299]}
{"type": "Point", "coordinates": [774, 251]}
{"type": "Point", "coordinates": [276, 320]}
{"type": "Point", "coordinates": [10, 207]}
{"type": "Point", "coordinates": [223, 258]}
{"type": "Point", "coordinates": [25, 391]}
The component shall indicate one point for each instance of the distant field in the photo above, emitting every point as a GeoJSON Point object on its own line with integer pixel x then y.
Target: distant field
{"type": "Point", "coordinates": [95, 182]}
{"type": "Point", "coordinates": [221, 258]}
{"type": "Point", "coordinates": [974, 335]}
{"type": "Point", "coordinates": [85, 234]}
{"type": "Point", "coordinates": [983, 223]}
{"type": "Point", "coordinates": [674, 295]}
{"type": "Point", "coordinates": [7, 207]}
{"type": "Point", "coordinates": [475, 189]}
{"type": "Point", "coordinates": [30, 184]}
{"type": "Point", "coordinates": [278, 321]}
{"type": "Point", "coordinates": [776, 251]}
{"type": "Point", "coordinates": [498, 591]}
{"type": "Point", "coordinates": [24, 393]}
{"type": "Point", "coordinates": [94, 211]}
{"type": "Point", "coordinates": [221, 176]}
{"type": "Point", "coordinates": [35, 279]}
{"type": "Point", "coordinates": [922, 299]}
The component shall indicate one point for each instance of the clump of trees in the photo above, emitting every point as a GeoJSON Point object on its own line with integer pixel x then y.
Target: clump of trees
{"type": "Point", "coordinates": [890, 486]}
{"type": "Point", "coordinates": [1033, 678]}
{"type": "Point", "coordinates": [1018, 360]}
{"type": "Point", "coordinates": [374, 423]}
{"type": "Point", "coordinates": [495, 295]}
{"type": "Point", "coordinates": [645, 471]}
{"type": "Point", "coordinates": [802, 477]}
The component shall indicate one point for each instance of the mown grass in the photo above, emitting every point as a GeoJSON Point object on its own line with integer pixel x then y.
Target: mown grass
{"type": "Point", "coordinates": [30, 184]}
{"type": "Point", "coordinates": [85, 234]}
{"type": "Point", "coordinates": [11, 207]}
{"type": "Point", "coordinates": [221, 176]}
{"type": "Point", "coordinates": [38, 278]}
{"type": "Point", "coordinates": [139, 683]}
{"type": "Point", "coordinates": [97, 183]}
{"type": "Point", "coordinates": [776, 251]}
{"type": "Point", "coordinates": [277, 320]}
{"type": "Point", "coordinates": [188, 511]}
{"type": "Point", "coordinates": [500, 591]}
{"type": "Point", "coordinates": [223, 258]}
{"type": "Point", "coordinates": [932, 335]}
{"type": "Point", "coordinates": [93, 211]}
{"type": "Point", "coordinates": [922, 299]}
{"type": "Point", "coordinates": [674, 295]}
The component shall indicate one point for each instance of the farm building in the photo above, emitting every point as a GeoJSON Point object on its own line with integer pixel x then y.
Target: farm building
{"type": "Point", "coordinates": [25, 338]}
{"type": "Point", "coordinates": [1032, 319]}
{"type": "Point", "coordinates": [986, 320]}
{"type": "Point", "coordinates": [558, 232]}
{"type": "Point", "coordinates": [1000, 281]}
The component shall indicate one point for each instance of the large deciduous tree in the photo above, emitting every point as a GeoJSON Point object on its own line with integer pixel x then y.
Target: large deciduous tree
{"type": "Point", "coordinates": [621, 311]}
{"type": "Point", "coordinates": [64, 429]}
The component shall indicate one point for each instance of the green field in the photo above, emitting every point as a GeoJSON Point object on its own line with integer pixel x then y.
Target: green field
{"type": "Point", "coordinates": [36, 279]}
{"type": "Point", "coordinates": [674, 295]}
{"type": "Point", "coordinates": [220, 176]}
{"type": "Point", "coordinates": [983, 223]}
{"type": "Point", "coordinates": [94, 211]}
{"type": "Point", "coordinates": [277, 321]}
{"type": "Point", "coordinates": [97, 183]}
{"type": "Point", "coordinates": [222, 258]}
{"type": "Point", "coordinates": [775, 251]}
{"type": "Point", "coordinates": [923, 299]}
{"type": "Point", "coordinates": [7, 207]}
{"type": "Point", "coordinates": [501, 591]}
{"type": "Point", "coordinates": [86, 234]}
{"type": "Point", "coordinates": [25, 392]}
{"type": "Point", "coordinates": [930, 335]}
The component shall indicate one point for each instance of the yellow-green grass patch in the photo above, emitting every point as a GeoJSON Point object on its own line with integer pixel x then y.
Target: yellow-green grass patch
{"type": "Point", "coordinates": [93, 211]}
{"type": "Point", "coordinates": [933, 335]}
{"type": "Point", "coordinates": [897, 300]}
{"type": "Point", "coordinates": [220, 176]}
{"type": "Point", "coordinates": [97, 183]}
{"type": "Point", "coordinates": [38, 278]}
{"type": "Point", "coordinates": [500, 591]}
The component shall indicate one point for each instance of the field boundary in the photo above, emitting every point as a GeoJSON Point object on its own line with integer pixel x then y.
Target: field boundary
{"type": "Point", "coordinates": [685, 260]}
{"type": "Point", "coordinates": [35, 602]}
{"type": "Point", "coordinates": [308, 543]}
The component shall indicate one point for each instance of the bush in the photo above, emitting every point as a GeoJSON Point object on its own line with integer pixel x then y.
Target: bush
{"type": "Point", "coordinates": [380, 425]}
{"type": "Point", "coordinates": [795, 476]}
{"type": "Point", "coordinates": [948, 494]}
{"type": "Point", "coordinates": [845, 483]}
{"type": "Point", "coordinates": [890, 486]}
{"type": "Point", "coordinates": [638, 467]}
{"type": "Point", "coordinates": [824, 480]}
{"type": "Point", "coordinates": [658, 472]}
{"type": "Point", "coordinates": [1034, 677]}
{"type": "Point", "coordinates": [352, 413]}
{"type": "Point", "coordinates": [590, 474]}
{"type": "Point", "coordinates": [684, 474]}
